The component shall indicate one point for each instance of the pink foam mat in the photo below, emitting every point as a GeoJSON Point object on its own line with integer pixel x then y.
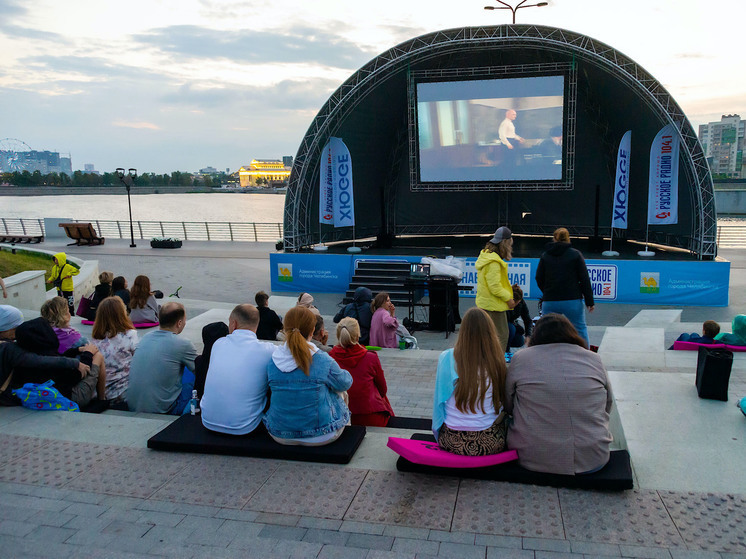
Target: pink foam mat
{"type": "Point", "coordinates": [430, 454]}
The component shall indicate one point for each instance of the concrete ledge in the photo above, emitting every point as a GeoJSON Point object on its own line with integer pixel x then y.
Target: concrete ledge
{"type": "Point", "coordinates": [31, 294]}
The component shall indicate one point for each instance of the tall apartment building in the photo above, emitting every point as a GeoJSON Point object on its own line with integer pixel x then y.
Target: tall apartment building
{"type": "Point", "coordinates": [723, 143]}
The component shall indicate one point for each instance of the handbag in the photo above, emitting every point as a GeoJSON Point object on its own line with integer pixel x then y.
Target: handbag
{"type": "Point", "coordinates": [44, 397]}
{"type": "Point", "coordinates": [84, 307]}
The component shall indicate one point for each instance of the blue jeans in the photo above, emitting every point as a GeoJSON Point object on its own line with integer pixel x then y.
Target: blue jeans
{"type": "Point", "coordinates": [187, 385]}
{"type": "Point", "coordinates": [574, 310]}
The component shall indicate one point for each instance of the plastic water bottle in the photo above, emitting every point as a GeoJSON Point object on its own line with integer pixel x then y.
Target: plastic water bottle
{"type": "Point", "coordinates": [194, 404]}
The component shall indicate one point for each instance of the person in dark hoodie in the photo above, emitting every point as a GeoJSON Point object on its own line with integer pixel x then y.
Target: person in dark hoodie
{"type": "Point", "coordinates": [359, 309]}
{"type": "Point", "coordinates": [101, 292]}
{"type": "Point", "coordinates": [210, 334]}
{"type": "Point", "coordinates": [368, 402]}
{"type": "Point", "coordinates": [76, 380]}
{"type": "Point", "coordinates": [269, 321]}
{"type": "Point", "coordinates": [563, 279]}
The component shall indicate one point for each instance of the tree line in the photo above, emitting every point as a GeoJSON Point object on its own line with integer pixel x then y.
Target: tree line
{"type": "Point", "coordinates": [176, 178]}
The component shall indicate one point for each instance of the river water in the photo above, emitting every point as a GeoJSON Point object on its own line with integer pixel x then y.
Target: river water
{"type": "Point", "coordinates": [233, 207]}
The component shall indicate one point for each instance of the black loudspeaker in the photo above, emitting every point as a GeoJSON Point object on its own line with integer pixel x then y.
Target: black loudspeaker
{"type": "Point", "coordinates": [713, 373]}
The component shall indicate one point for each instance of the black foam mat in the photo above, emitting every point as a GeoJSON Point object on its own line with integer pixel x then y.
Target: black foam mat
{"type": "Point", "coordinates": [615, 476]}
{"type": "Point", "coordinates": [397, 422]}
{"type": "Point", "coordinates": [187, 434]}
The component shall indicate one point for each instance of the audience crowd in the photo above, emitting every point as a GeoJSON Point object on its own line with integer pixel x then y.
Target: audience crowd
{"type": "Point", "coordinates": [265, 374]}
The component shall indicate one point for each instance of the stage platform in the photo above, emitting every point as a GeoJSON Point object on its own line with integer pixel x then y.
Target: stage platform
{"type": "Point", "coordinates": [670, 277]}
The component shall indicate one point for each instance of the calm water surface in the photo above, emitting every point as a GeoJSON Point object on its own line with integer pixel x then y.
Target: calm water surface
{"type": "Point", "coordinates": [234, 207]}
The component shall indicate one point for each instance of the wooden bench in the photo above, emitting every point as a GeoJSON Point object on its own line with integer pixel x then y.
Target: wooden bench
{"type": "Point", "coordinates": [82, 234]}
{"type": "Point", "coordinates": [21, 238]}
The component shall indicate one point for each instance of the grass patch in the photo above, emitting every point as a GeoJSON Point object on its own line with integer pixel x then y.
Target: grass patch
{"type": "Point", "coordinates": [11, 264]}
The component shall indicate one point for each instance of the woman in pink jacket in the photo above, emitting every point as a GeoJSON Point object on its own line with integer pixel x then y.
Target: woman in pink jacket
{"type": "Point", "coordinates": [383, 325]}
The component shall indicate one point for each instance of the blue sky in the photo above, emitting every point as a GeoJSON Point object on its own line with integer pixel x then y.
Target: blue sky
{"type": "Point", "coordinates": [165, 85]}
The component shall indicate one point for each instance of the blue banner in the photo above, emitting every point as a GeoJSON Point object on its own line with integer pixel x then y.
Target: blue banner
{"type": "Point", "coordinates": [344, 204]}
{"type": "Point", "coordinates": [622, 281]}
{"type": "Point", "coordinates": [621, 184]}
{"type": "Point", "coordinates": [663, 188]}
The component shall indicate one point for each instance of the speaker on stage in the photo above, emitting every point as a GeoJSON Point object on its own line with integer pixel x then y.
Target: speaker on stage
{"type": "Point", "coordinates": [713, 373]}
{"type": "Point", "coordinates": [443, 309]}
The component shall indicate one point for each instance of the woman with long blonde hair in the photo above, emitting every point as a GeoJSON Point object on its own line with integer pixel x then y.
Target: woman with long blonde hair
{"type": "Point", "coordinates": [116, 339]}
{"type": "Point", "coordinates": [468, 416]}
{"type": "Point", "coordinates": [306, 407]}
{"type": "Point", "coordinates": [368, 402]}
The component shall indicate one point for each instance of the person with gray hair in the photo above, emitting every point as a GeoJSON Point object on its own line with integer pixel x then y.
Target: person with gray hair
{"type": "Point", "coordinates": [158, 382]}
{"type": "Point", "coordinates": [236, 385]}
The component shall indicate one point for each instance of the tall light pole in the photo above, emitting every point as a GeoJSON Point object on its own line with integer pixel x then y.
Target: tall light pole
{"type": "Point", "coordinates": [128, 181]}
{"type": "Point", "coordinates": [521, 4]}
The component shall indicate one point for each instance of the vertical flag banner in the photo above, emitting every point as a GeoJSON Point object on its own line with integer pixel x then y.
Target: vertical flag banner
{"type": "Point", "coordinates": [663, 189]}
{"type": "Point", "coordinates": [326, 187]}
{"type": "Point", "coordinates": [621, 185]}
{"type": "Point", "coordinates": [341, 163]}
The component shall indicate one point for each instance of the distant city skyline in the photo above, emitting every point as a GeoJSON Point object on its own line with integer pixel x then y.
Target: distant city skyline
{"type": "Point", "coordinates": [161, 88]}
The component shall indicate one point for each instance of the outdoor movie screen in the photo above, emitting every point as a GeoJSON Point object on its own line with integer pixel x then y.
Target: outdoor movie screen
{"type": "Point", "coordinates": [487, 130]}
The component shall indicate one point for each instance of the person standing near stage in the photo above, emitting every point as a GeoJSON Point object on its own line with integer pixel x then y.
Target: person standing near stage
{"type": "Point", "coordinates": [494, 292]}
{"type": "Point", "coordinates": [506, 131]}
{"type": "Point", "coordinates": [563, 279]}
{"type": "Point", "coordinates": [61, 277]}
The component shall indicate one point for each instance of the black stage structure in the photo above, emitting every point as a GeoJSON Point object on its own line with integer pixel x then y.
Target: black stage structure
{"type": "Point", "coordinates": [607, 94]}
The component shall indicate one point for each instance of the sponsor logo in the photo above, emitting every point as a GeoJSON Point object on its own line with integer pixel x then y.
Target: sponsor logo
{"type": "Point", "coordinates": [650, 282]}
{"type": "Point", "coordinates": [284, 272]}
{"type": "Point", "coordinates": [603, 281]}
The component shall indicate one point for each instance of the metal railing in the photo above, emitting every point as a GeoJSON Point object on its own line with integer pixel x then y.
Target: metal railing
{"type": "Point", "coordinates": [728, 235]}
{"type": "Point", "coordinates": [185, 230]}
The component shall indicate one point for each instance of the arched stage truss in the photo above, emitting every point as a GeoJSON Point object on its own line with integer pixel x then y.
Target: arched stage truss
{"type": "Point", "coordinates": [698, 234]}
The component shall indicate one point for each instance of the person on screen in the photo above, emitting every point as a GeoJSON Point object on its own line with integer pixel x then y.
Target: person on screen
{"type": "Point", "coordinates": [551, 148]}
{"type": "Point", "coordinates": [506, 131]}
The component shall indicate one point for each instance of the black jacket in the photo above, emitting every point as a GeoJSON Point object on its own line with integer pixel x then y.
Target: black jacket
{"type": "Point", "coordinates": [269, 324]}
{"type": "Point", "coordinates": [37, 337]}
{"type": "Point", "coordinates": [101, 292]}
{"type": "Point", "coordinates": [359, 309]}
{"type": "Point", "coordinates": [562, 275]}
{"type": "Point", "coordinates": [521, 311]}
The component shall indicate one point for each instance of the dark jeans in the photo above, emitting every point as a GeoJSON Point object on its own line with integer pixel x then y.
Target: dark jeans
{"type": "Point", "coordinates": [70, 300]}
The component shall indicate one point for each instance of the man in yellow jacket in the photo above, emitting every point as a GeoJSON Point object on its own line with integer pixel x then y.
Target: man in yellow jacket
{"type": "Point", "coordinates": [494, 292]}
{"type": "Point", "coordinates": [61, 277]}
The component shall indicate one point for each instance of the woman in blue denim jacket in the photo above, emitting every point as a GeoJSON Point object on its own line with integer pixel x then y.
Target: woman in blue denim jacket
{"type": "Point", "coordinates": [306, 406]}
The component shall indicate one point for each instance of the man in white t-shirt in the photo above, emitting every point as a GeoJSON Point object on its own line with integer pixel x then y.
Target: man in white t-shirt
{"type": "Point", "coordinates": [236, 386]}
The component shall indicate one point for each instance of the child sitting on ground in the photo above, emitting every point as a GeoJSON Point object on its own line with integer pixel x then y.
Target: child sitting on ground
{"type": "Point", "coordinates": [710, 329]}
{"type": "Point", "coordinates": [72, 343]}
{"type": "Point", "coordinates": [518, 334]}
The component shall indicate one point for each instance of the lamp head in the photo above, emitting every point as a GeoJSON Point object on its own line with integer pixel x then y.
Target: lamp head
{"type": "Point", "coordinates": [120, 172]}
{"type": "Point", "coordinates": [132, 172]}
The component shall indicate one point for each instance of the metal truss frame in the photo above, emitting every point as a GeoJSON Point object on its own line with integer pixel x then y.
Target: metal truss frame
{"type": "Point", "coordinates": [304, 177]}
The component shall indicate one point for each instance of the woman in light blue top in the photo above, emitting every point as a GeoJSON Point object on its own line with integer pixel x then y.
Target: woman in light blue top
{"type": "Point", "coordinates": [468, 418]}
{"type": "Point", "coordinates": [307, 405]}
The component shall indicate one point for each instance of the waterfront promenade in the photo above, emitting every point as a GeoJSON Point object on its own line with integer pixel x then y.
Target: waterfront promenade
{"type": "Point", "coordinates": [80, 485]}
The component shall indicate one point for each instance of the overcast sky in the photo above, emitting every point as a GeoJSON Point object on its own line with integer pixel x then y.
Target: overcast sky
{"type": "Point", "coordinates": [165, 85]}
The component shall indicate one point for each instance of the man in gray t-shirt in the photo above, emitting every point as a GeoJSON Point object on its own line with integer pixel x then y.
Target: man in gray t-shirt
{"type": "Point", "coordinates": [157, 367]}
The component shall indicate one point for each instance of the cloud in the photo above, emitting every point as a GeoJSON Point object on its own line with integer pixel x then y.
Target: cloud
{"type": "Point", "coordinates": [692, 56]}
{"type": "Point", "coordinates": [92, 67]}
{"type": "Point", "coordinates": [20, 32]}
{"type": "Point", "coordinates": [136, 125]}
{"type": "Point", "coordinates": [292, 45]}
{"type": "Point", "coordinates": [11, 8]}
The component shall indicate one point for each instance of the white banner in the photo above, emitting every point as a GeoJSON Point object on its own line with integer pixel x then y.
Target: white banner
{"type": "Point", "coordinates": [326, 187]}
{"type": "Point", "coordinates": [621, 185]}
{"type": "Point", "coordinates": [344, 204]}
{"type": "Point", "coordinates": [663, 188]}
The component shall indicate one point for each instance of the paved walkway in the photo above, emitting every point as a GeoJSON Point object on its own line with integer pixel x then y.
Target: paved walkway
{"type": "Point", "coordinates": [80, 485]}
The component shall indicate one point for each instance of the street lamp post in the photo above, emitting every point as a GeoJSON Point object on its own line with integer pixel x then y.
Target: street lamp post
{"type": "Point", "coordinates": [128, 181]}
{"type": "Point", "coordinates": [521, 4]}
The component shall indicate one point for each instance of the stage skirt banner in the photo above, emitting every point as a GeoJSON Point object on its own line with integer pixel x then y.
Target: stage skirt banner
{"type": "Point", "coordinates": [646, 282]}
{"type": "Point", "coordinates": [326, 187]}
{"type": "Point", "coordinates": [663, 189]}
{"type": "Point", "coordinates": [621, 185]}
{"type": "Point", "coordinates": [336, 202]}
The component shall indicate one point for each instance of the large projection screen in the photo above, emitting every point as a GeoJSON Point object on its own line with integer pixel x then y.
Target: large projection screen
{"type": "Point", "coordinates": [511, 131]}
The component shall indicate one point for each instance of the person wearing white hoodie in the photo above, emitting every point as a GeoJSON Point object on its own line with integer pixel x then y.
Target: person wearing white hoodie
{"type": "Point", "coordinates": [307, 407]}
